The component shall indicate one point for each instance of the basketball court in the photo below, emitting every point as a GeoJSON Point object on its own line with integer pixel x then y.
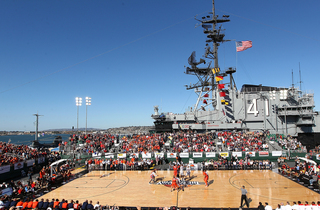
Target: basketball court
{"type": "Point", "coordinates": [132, 188]}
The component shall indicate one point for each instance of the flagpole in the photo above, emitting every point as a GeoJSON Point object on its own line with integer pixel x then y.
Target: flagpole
{"type": "Point", "coordinates": [236, 55]}
{"type": "Point", "coordinates": [236, 59]}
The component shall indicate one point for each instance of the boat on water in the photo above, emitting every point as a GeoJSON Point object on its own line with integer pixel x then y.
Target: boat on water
{"type": "Point", "coordinates": [55, 143]}
{"type": "Point", "coordinates": [220, 105]}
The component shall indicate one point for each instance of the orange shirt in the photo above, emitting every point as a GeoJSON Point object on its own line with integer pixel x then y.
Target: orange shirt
{"type": "Point", "coordinates": [19, 203]}
{"type": "Point", "coordinates": [56, 203]}
{"type": "Point", "coordinates": [65, 205]}
{"type": "Point", "coordinates": [205, 175]}
{"type": "Point", "coordinates": [30, 204]}
{"type": "Point", "coordinates": [35, 204]}
{"type": "Point", "coordinates": [42, 173]}
{"type": "Point", "coordinates": [175, 170]}
{"type": "Point", "coordinates": [24, 205]}
{"type": "Point", "coordinates": [174, 181]}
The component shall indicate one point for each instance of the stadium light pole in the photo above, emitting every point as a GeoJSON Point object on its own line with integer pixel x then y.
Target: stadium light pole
{"type": "Point", "coordinates": [88, 103]}
{"type": "Point", "coordinates": [285, 119]}
{"type": "Point", "coordinates": [78, 103]}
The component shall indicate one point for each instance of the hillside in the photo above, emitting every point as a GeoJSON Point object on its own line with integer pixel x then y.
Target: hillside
{"type": "Point", "coordinates": [130, 130]}
{"type": "Point", "coordinates": [119, 130]}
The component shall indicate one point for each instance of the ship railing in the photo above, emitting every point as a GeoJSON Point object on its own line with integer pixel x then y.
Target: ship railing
{"type": "Point", "coordinates": [307, 93]}
{"type": "Point", "coordinates": [258, 89]}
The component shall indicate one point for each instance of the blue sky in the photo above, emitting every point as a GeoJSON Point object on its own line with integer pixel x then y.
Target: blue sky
{"type": "Point", "coordinates": [130, 55]}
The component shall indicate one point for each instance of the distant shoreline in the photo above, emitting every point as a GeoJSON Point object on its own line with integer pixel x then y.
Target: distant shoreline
{"type": "Point", "coordinates": [121, 130]}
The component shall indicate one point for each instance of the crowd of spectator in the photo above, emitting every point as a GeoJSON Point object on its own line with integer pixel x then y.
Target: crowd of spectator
{"type": "Point", "coordinates": [290, 143]}
{"type": "Point", "coordinates": [316, 150]}
{"type": "Point", "coordinates": [46, 204]}
{"type": "Point", "coordinates": [237, 164]}
{"type": "Point", "coordinates": [37, 181]}
{"type": "Point", "coordinates": [238, 141]}
{"type": "Point", "coordinates": [304, 172]}
{"type": "Point", "coordinates": [171, 142]}
{"type": "Point", "coordinates": [92, 143]}
{"type": "Point", "coordinates": [180, 142]}
{"type": "Point", "coordinates": [293, 206]}
{"type": "Point", "coordinates": [119, 164]}
{"type": "Point", "coordinates": [11, 153]}
{"type": "Point", "coordinates": [134, 163]}
{"type": "Point", "coordinates": [23, 193]}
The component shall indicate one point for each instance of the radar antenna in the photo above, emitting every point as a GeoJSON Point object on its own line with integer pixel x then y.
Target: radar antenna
{"type": "Point", "coordinates": [192, 60]}
{"type": "Point", "coordinates": [156, 110]}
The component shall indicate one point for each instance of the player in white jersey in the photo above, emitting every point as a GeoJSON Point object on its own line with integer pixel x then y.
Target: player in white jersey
{"type": "Point", "coordinates": [181, 171]}
{"type": "Point", "coordinates": [188, 170]}
{"type": "Point", "coordinates": [153, 177]}
{"type": "Point", "coordinates": [181, 183]}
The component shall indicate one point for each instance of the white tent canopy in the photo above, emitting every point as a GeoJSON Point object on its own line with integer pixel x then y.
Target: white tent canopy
{"type": "Point", "coordinates": [307, 160]}
{"type": "Point", "coordinates": [55, 164]}
{"type": "Point", "coordinates": [314, 167]}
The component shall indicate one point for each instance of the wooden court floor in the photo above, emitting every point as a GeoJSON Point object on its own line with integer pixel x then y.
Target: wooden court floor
{"type": "Point", "coordinates": [132, 188]}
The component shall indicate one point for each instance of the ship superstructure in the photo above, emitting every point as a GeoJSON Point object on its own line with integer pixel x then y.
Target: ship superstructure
{"type": "Point", "coordinates": [222, 106]}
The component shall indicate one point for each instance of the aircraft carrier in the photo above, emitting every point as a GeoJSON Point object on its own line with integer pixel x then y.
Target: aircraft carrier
{"type": "Point", "coordinates": [222, 106]}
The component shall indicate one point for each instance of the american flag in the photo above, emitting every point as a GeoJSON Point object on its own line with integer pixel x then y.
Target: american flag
{"type": "Point", "coordinates": [243, 45]}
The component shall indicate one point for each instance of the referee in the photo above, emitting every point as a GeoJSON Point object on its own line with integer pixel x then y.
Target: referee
{"type": "Point", "coordinates": [244, 196]}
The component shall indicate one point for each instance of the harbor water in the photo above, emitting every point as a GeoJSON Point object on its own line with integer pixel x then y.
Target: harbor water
{"type": "Point", "coordinates": [27, 139]}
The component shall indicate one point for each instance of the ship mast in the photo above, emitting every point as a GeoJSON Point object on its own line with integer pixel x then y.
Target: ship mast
{"type": "Point", "coordinates": [215, 50]}
{"type": "Point", "coordinates": [206, 75]}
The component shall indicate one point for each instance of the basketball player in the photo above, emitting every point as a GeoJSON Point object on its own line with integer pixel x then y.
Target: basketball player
{"type": "Point", "coordinates": [181, 183]}
{"type": "Point", "coordinates": [174, 184]}
{"type": "Point", "coordinates": [181, 171]}
{"type": "Point", "coordinates": [188, 170]}
{"type": "Point", "coordinates": [153, 177]}
{"type": "Point", "coordinates": [206, 177]}
{"type": "Point", "coordinates": [175, 170]}
{"type": "Point", "coordinates": [103, 175]}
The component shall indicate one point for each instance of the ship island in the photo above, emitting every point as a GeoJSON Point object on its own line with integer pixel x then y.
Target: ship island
{"type": "Point", "coordinates": [220, 105]}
